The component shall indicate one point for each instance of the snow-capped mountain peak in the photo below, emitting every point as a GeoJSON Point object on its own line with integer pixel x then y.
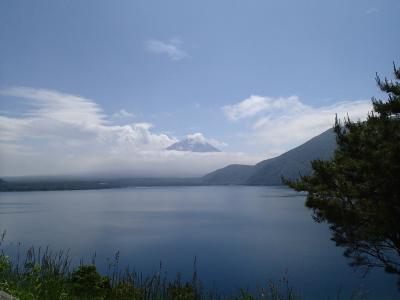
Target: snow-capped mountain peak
{"type": "Point", "coordinates": [194, 143]}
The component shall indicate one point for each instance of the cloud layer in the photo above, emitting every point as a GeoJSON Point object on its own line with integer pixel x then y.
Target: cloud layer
{"type": "Point", "coordinates": [279, 124]}
{"type": "Point", "coordinates": [254, 104]}
{"type": "Point", "coordinates": [60, 133]}
{"type": "Point", "coordinates": [65, 117]}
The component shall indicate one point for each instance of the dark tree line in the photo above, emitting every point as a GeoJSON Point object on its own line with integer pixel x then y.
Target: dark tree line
{"type": "Point", "coordinates": [357, 192]}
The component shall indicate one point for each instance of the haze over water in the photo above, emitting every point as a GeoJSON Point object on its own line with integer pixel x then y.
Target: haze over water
{"type": "Point", "coordinates": [241, 236]}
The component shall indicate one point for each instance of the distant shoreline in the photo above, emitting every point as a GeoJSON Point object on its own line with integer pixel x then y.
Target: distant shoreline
{"type": "Point", "coordinates": [31, 185]}
{"type": "Point", "coordinates": [37, 184]}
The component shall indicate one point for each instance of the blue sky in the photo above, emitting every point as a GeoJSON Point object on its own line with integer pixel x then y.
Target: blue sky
{"type": "Point", "coordinates": [241, 73]}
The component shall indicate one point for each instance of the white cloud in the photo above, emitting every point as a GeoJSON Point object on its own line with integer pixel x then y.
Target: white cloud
{"type": "Point", "coordinates": [172, 48]}
{"type": "Point", "coordinates": [55, 115]}
{"type": "Point", "coordinates": [200, 138]}
{"type": "Point", "coordinates": [283, 123]}
{"type": "Point", "coordinates": [372, 10]}
{"type": "Point", "coordinates": [197, 137]}
{"type": "Point", "coordinates": [217, 144]}
{"type": "Point", "coordinates": [60, 133]}
{"type": "Point", "coordinates": [122, 113]}
{"type": "Point", "coordinates": [256, 104]}
{"type": "Point", "coordinates": [16, 162]}
{"type": "Point", "coordinates": [58, 106]}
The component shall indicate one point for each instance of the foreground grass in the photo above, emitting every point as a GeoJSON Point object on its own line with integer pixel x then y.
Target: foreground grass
{"type": "Point", "coordinates": [43, 274]}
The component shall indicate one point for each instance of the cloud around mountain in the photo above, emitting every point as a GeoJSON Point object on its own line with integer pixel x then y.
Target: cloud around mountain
{"type": "Point", "coordinates": [62, 133]}
{"type": "Point", "coordinates": [59, 133]}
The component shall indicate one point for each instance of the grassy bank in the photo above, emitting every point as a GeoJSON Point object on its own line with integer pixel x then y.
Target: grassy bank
{"type": "Point", "coordinates": [44, 274]}
{"type": "Point", "coordinates": [47, 275]}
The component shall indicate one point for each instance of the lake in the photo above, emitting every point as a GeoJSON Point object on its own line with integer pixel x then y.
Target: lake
{"type": "Point", "coordinates": [241, 236]}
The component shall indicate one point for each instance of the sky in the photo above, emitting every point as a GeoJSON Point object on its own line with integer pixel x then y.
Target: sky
{"type": "Point", "coordinates": [103, 87]}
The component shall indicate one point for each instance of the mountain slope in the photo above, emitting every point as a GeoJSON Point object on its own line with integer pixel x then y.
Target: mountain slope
{"type": "Point", "coordinates": [294, 162]}
{"type": "Point", "coordinates": [232, 174]}
{"type": "Point", "coordinates": [269, 172]}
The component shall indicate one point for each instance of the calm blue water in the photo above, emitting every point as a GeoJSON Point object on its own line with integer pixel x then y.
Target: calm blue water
{"type": "Point", "coordinates": [241, 236]}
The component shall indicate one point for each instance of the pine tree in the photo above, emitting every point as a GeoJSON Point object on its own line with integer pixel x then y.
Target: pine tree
{"type": "Point", "coordinates": [357, 192]}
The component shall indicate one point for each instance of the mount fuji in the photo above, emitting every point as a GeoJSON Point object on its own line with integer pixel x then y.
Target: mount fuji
{"type": "Point", "coordinates": [193, 143]}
